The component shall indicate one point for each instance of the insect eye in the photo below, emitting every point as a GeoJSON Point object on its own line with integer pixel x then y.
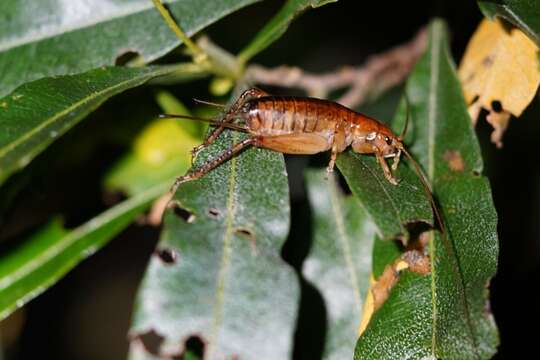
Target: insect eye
{"type": "Point", "coordinates": [388, 140]}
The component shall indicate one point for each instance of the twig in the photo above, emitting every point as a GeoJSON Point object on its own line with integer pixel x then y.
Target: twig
{"type": "Point", "coordinates": [199, 56]}
{"type": "Point", "coordinates": [379, 73]}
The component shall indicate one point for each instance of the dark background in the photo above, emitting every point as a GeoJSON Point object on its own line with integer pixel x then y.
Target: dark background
{"type": "Point", "coordinates": [86, 315]}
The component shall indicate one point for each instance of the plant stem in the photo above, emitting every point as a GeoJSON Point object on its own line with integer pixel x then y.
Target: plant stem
{"type": "Point", "coordinates": [198, 55]}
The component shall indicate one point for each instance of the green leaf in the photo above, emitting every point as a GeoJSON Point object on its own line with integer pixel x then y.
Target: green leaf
{"type": "Point", "coordinates": [225, 281]}
{"type": "Point", "coordinates": [51, 37]}
{"type": "Point", "coordinates": [443, 314]}
{"type": "Point", "coordinates": [339, 262]}
{"type": "Point", "coordinates": [37, 113]}
{"type": "Point", "coordinates": [45, 257]}
{"type": "Point", "coordinates": [277, 26]}
{"type": "Point", "coordinates": [524, 14]}
{"type": "Point", "coordinates": [390, 207]}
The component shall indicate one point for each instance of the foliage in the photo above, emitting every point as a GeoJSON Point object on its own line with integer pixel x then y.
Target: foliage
{"type": "Point", "coordinates": [218, 272]}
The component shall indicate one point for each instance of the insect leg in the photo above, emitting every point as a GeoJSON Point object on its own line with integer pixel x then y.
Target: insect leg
{"type": "Point", "coordinates": [395, 163]}
{"type": "Point", "coordinates": [333, 156]}
{"type": "Point", "coordinates": [213, 163]}
{"type": "Point", "coordinates": [228, 117]}
{"type": "Point", "coordinates": [338, 145]}
{"type": "Point", "coordinates": [386, 169]}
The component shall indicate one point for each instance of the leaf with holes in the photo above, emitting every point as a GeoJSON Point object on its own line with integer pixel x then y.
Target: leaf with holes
{"type": "Point", "coordinates": [45, 257]}
{"type": "Point", "coordinates": [442, 314]}
{"type": "Point", "coordinates": [390, 207]}
{"type": "Point", "coordinates": [339, 261]}
{"type": "Point", "coordinates": [277, 26]}
{"type": "Point", "coordinates": [37, 113]}
{"type": "Point", "coordinates": [53, 37]}
{"type": "Point", "coordinates": [226, 282]}
{"type": "Point", "coordinates": [522, 13]}
{"type": "Point", "coordinates": [500, 72]}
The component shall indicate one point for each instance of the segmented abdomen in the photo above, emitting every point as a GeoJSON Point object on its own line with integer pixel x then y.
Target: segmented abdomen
{"type": "Point", "coordinates": [274, 115]}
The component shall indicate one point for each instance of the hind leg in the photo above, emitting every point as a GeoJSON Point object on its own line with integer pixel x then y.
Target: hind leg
{"type": "Point", "coordinates": [215, 162]}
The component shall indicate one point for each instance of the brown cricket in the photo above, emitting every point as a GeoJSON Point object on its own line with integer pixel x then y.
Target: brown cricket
{"type": "Point", "coordinates": [303, 125]}
{"type": "Point", "coordinates": [300, 125]}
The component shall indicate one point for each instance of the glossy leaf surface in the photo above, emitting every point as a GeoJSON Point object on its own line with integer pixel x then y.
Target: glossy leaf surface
{"type": "Point", "coordinates": [53, 37]}
{"type": "Point", "coordinates": [37, 113]}
{"type": "Point", "coordinates": [228, 284]}
{"type": "Point", "coordinates": [390, 207]}
{"type": "Point", "coordinates": [443, 314]}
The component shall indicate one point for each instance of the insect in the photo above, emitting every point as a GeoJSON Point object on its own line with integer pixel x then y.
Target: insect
{"type": "Point", "coordinates": [300, 125]}
{"type": "Point", "coordinates": [303, 125]}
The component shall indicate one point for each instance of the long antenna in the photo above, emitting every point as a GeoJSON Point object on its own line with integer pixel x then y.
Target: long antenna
{"type": "Point", "coordinates": [427, 189]}
{"type": "Point", "coordinates": [211, 121]}
{"type": "Point", "coordinates": [405, 127]}
{"type": "Point", "coordinates": [205, 102]}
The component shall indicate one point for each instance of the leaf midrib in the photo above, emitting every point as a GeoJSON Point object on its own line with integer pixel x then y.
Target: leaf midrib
{"type": "Point", "coordinates": [445, 237]}
{"type": "Point", "coordinates": [4, 152]}
{"type": "Point", "coordinates": [344, 240]}
{"type": "Point", "coordinates": [225, 258]}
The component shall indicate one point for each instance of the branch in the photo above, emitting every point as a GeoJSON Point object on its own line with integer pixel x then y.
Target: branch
{"type": "Point", "coordinates": [379, 73]}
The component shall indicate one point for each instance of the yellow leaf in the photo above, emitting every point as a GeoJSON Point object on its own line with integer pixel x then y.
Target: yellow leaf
{"type": "Point", "coordinates": [162, 140]}
{"type": "Point", "coordinates": [499, 72]}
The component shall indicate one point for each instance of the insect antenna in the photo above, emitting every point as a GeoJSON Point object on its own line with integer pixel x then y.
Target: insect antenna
{"type": "Point", "coordinates": [227, 125]}
{"type": "Point", "coordinates": [199, 101]}
{"type": "Point", "coordinates": [406, 126]}
{"type": "Point", "coordinates": [427, 190]}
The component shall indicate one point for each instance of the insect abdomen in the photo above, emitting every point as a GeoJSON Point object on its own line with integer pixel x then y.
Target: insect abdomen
{"type": "Point", "coordinates": [272, 115]}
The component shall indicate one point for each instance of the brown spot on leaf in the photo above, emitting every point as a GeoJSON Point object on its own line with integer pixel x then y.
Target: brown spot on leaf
{"type": "Point", "coordinates": [413, 260]}
{"type": "Point", "coordinates": [488, 61]}
{"type": "Point", "coordinates": [417, 262]}
{"type": "Point", "coordinates": [385, 283]}
{"type": "Point", "coordinates": [454, 160]}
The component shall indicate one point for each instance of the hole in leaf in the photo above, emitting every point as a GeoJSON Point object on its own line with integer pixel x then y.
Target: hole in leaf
{"type": "Point", "coordinates": [126, 57]}
{"type": "Point", "coordinates": [250, 236]}
{"type": "Point", "coordinates": [151, 341]}
{"type": "Point", "coordinates": [167, 255]}
{"type": "Point", "coordinates": [213, 213]}
{"type": "Point", "coordinates": [496, 106]}
{"type": "Point", "coordinates": [181, 212]}
{"type": "Point", "coordinates": [195, 346]}
{"type": "Point", "coordinates": [417, 231]}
